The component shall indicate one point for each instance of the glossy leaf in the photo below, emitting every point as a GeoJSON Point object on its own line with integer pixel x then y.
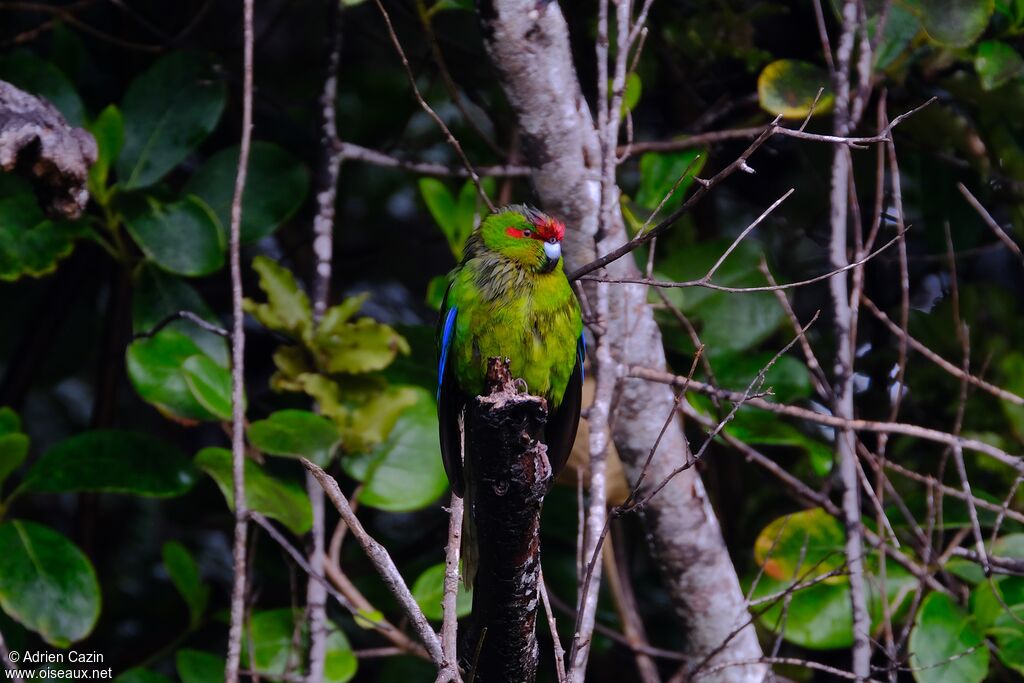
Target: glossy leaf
{"type": "Point", "coordinates": [765, 429]}
{"type": "Point", "coordinates": [39, 77]}
{"type": "Point", "coordinates": [996, 63]}
{"type": "Point", "coordinates": [277, 499]}
{"type": "Point", "coordinates": [168, 111]}
{"type": "Point", "coordinates": [13, 443]}
{"type": "Point", "coordinates": [158, 294]}
{"type": "Point", "coordinates": [113, 461]}
{"type": "Point", "coordinates": [955, 23]}
{"type": "Point", "coordinates": [405, 472]}
{"type": "Point", "coordinates": [787, 87]}
{"type": "Point", "coordinates": [30, 243]}
{"type": "Point", "coordinates": [296, 433]}
{"type": "Point", "coordinates": [429, 592]}
{"type": "Point", "coordinates": [273, 648]}
{"type": "Point", "coordinates": [659, 173]}
{"type": "Point", "coordinates": [184, 573]}
{"type": "Point", "coordinates": [155, 370]}
{"type": "Point", "coordinates": [801, 545]}
{"type": "Point", "coordinates": [287, 308]}
{"type": "Point", "coordinates": [46, 583]}
{"type": "Point", "coordinates": [442, 207]}
{"type": "Point", "coordinates": [182, 237]}
{"type": "Point", "coordinates": [196, 666]}
{"type": "Point", "coordinates": [946, 644]}
{"type": "Point", "coordinates": [210, 384]}
{"type": "Point", "coordinates": [108, 129]}
{"type": "Point", "coordinates": [276, 186]}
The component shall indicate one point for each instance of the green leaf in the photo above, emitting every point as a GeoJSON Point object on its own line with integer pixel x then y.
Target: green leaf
{"type": "Point", "coordinates": [141, 676]}
{"type": "Point", "coordinates": [46, 583]}
{"type": "Point", "coordinates": [787, 87]}
{"type": "Point", "coordinates": [276, 185]}
{"type": "Point", "coordinates": [436, 289]}
{"type": "Point", "coordinates": [287, 309]}
{"type": "Point", "coordinates": [468, 212]}
{"type": "Point", "coordinates": [296, 433]}
{"type": "Point", "coordinates": [373, 417]}
{"type": "Point", "coordinates": [277, 640]}
{"type": "Point", "coordinates": [39, 77]}
{"type": "Point", "coordinates": [182, 237]}
{"type": "Point", "coordinates": [802, 545]}
{"type": "Point", "coordinates": [901, 28]}
{"type": "Point", "coordinates": [280, 500]}
{"type": "Point", "coordinates": [108, 129]}
{"type": "Point", "coordinates": [13, 443]}
{"type": "Point", "coordinates": [428, 590]}
{"type": "Point", "coordinates": [155, 370]}
{"type": "Point", "coordinates": [405, 472]}
{"type": "Point", "coordinates": [184, 573]}
{"type": "Point", "coordinates": [113, 461]}
{"type": "Point", "coordinates": [729, 322]}
{"type": "Point", "coordinates": [210, 384]}
{"type": "Point", "coordinates": [340, 663]}
{"type": "Point", "coordinates": [818, 617]}
{"type": "Point", "coordinates": [659, 174]}
{"type": "Point", "coordinates": [158, 294]}
{"type": "Point", "coordinates": [955, 23]}
{"type": "Point", "coordinates": [443, 208]}
{"type": "Point", "coordinates": [765, 429]}
{"type": "Point", "coordinates": [996, 63]}
{"type": "Point", "coordinates": [168, 111]}
{"type": "Point", "coordinates": [30, 243]}
{"type": "Point", "coordinates": [196, 666]}
{"type": "Point", "coordinates": [942, 634]}
{"type": "Point", "coordinates": [788, 378]}
{"type": "Point", "coordinates": [359, 347]}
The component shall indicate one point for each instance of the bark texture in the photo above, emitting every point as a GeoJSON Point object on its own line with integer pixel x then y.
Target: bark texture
{"type": "Point", "coordinates": [37, 142]}
{"type": "Point", "coordinates": [509, 479]}
{"type": "Point", "coordinates": [529, 45]}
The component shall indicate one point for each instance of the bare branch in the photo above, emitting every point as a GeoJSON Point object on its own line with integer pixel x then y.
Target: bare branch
{"type": "Point", "coordinates": [238, 361]}
{"type": "Point", "coordinates": [382, 562]}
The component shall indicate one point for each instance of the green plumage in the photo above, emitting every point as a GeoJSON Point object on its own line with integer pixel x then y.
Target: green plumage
{"type": "Point", "coordinates": [509, 298]}
{"type": "Point", "coordinates": [510, 311]}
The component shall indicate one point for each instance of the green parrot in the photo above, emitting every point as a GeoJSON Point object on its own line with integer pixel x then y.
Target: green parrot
{"type": "Point", "coordinates": [509, 297]}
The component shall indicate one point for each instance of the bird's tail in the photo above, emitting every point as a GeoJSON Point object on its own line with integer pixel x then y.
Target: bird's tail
{"type": "Point", "coordinates": [469, 552]}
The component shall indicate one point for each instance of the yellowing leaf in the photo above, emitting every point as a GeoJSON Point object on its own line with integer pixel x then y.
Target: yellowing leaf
{"type": "Point", "coordinates": [787, 87]}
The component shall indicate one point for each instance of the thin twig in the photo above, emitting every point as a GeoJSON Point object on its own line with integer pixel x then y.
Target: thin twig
{"type": "Point", "coordinates": [238, 362]}
{"type": "Point", "coordinates": [382, 562]}
{"type": "Point", "coordinates": [450, 621]}
{"type": "Point", "coordinates": [429, 110]}
{"type": "Point", "coordinates": [184, 315]}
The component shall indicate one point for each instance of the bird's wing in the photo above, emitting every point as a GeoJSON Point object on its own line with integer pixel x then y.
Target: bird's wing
{"type": "Point", "coordinates": [564, 420]}
{"type": "Point", "coordinates": [450, 399]}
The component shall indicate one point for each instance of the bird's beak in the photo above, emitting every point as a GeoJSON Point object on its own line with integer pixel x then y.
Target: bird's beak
{"type": "Point", "coordinates": [553, 252]}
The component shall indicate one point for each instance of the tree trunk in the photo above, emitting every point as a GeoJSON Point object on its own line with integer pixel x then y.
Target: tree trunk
{"type": "Point", "coordinates": [529, 45]}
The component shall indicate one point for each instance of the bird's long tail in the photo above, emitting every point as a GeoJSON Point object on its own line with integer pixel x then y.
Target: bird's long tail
{"type": "Point", "coordinates": [470, 551]}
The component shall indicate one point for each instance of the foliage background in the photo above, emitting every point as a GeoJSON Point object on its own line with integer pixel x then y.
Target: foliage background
{"type": "Point", "coordinates": [72, 296]}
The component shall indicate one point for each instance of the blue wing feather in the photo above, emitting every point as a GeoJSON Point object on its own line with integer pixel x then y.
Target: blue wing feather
{"type": "Point", "coordinates": [581, 354]}
{"type": "Point", "coordinates": [447, 331]}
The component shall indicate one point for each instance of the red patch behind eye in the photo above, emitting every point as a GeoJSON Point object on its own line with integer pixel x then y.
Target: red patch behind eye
{"type": "Point", "coordinates": [545, 229]}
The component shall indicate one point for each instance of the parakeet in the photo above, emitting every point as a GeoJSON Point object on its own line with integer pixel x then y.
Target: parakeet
{"type": "Point", "coordinates": [509, 297]}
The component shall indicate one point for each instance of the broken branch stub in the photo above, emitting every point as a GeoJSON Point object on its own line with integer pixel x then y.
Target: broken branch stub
{"type": "Point", "coordinates": [37, 142]}
{"type": "Point", "coordinates": [508, 466]}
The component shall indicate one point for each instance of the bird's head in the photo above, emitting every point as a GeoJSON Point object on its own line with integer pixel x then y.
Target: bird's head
{"type": "Point", "coordinates": [525, 235]}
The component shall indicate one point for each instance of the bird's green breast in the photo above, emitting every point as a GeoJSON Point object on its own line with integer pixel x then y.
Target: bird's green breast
{"type": "Point", "coordinates": [531, 318]}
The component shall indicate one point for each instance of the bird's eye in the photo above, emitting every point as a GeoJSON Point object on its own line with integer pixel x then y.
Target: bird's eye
{"type": "Point", "coordinates": [527, 233]}
{"type": "Point", "coordinates": [553, 240]}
